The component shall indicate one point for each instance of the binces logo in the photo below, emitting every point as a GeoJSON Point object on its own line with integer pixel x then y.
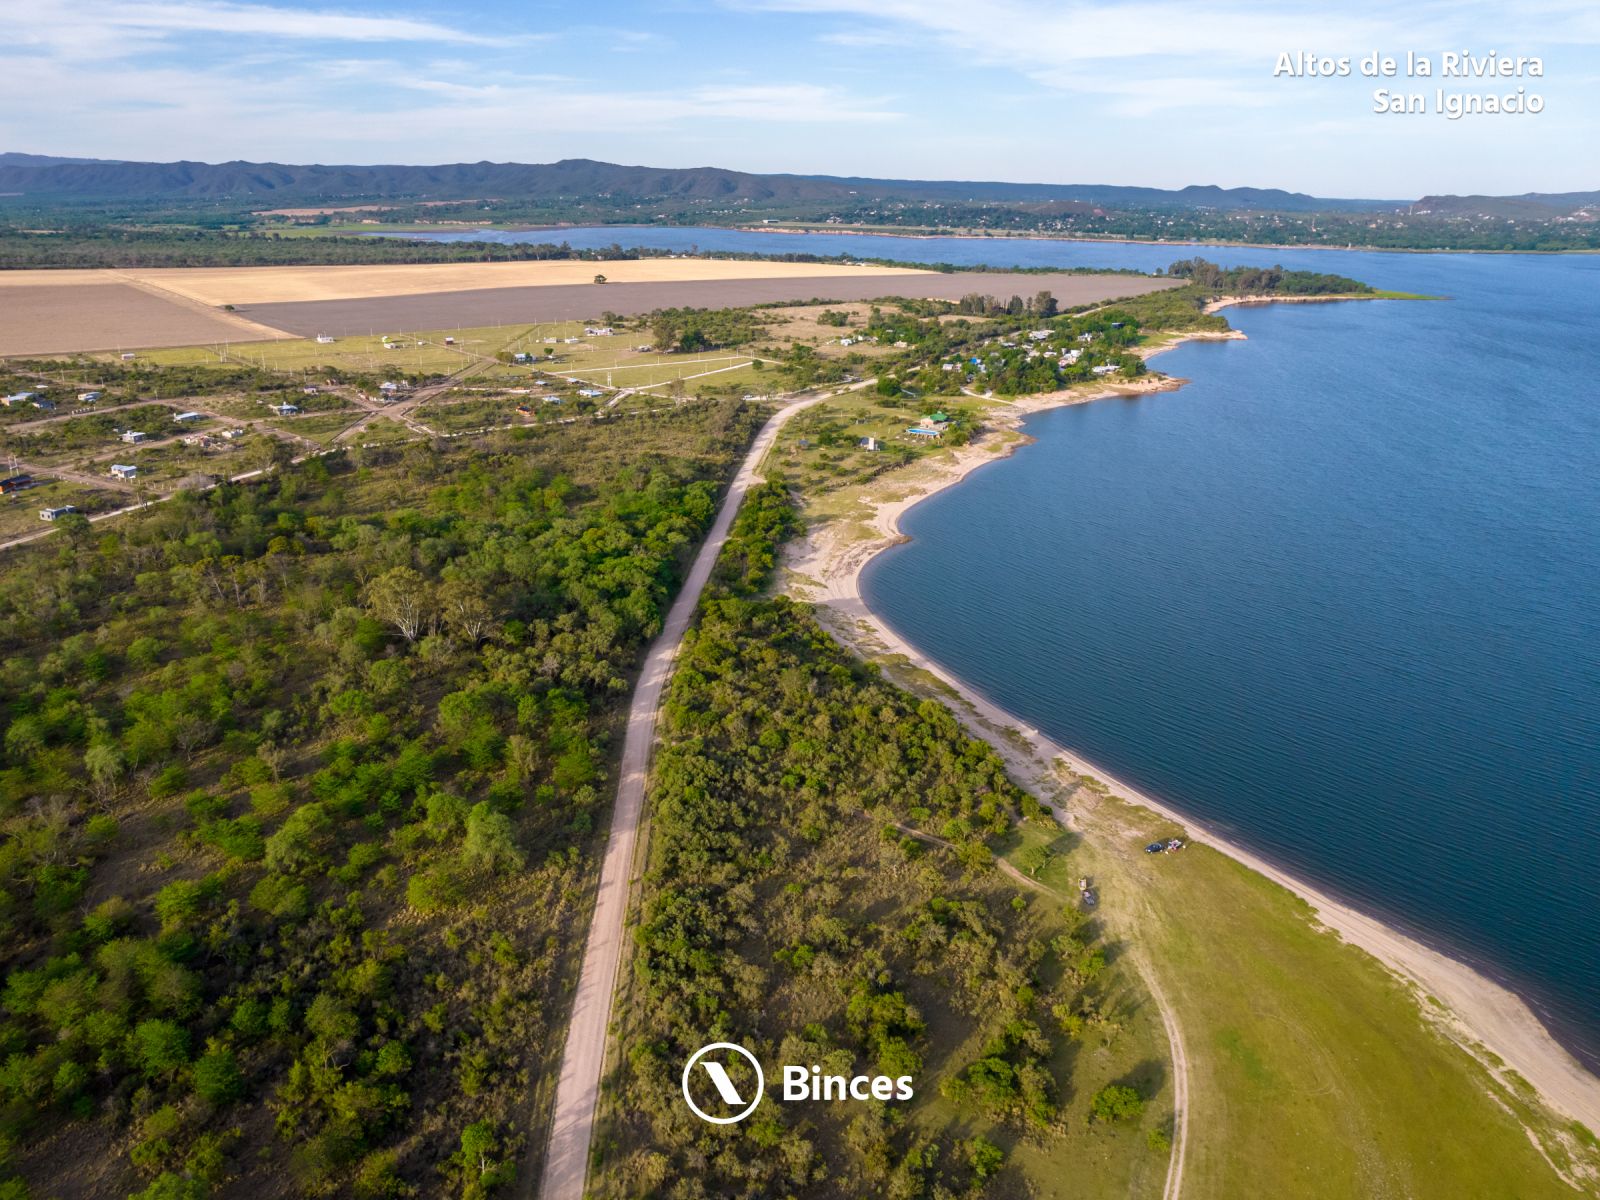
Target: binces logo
{"type": "Point", "coordinates": [718, 1063]}
{"type": "Point", "coordinates": [729, 1082]}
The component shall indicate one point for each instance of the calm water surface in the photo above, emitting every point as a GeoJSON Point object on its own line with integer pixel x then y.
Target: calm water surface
{"type": "Point", "coordinates": [1340, 596]}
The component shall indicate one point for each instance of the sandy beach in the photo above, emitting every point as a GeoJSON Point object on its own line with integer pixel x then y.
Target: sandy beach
{"type": "Point", "coordinates": [1487, 1019]}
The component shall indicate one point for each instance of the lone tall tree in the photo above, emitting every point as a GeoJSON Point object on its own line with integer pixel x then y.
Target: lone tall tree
{"type": "Point", "coordinates": [403, 598]}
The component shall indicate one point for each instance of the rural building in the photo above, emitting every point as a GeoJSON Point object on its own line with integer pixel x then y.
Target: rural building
{"type": "Point", "coordinates": [598, 330]}
{"type": "Point", "coordinates": [590, 392]}
{"type": "Point", "coordinates": [133, 437]}
{"type": "Point", "coordinates": [18, 398]}
{"type": "Point", "coordinates": [1104, 369]}
{"type": "Point", "coordinates": [284, 410]}
{"type": "Point", "coordinates": [50, 514]}
{"type": "Point", "coordinates": [871, 443]}
{"type": "Point", "coordinates": [324, 340]}
{"type": "Point", "coordinates": [229, 434]}
{"type": "Point", "coordinates": [16, 483]}
{"type": "Point", "coordinates": [129, 357]}
{"type": "Point", "coordinates": [186, 417]}
{"type": "Point", "coordinates": [88, 397]}
{"type": "Point", "coordinates": [308, 391]}
{"type": "Point", "coordinates": [44, 405]}
{"type": "Point", "coordinates": [124, 471]}
{"type": "Point", "coordinates": [521, 356]}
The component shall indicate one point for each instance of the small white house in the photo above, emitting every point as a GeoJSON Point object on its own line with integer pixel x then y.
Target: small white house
{"type": "Point", "coordinates": [189, 417]}
{"type": "Point", "coordinates": [18, 398]}
{"type": "Point", "coordinates": [133, 437]}
{"type": "Point", "coordinates": [871, 443]}
{"type": "Point", "coordinates": [50, 514]}
{"type": "Point", "coordinates": [284, 410]}
{"type": "Point", "coordinates": [591, 393]}
{"type": "Point", "coordinates": [324, 340]}
{"type": "Point", "coordinates": [1104, 369]}
{"type": "Point", "coordinates": [229, 435]}
{"type": "Point", "coordinates": [88, 397]}
{"type": "Point", "coordinates": [124, 471]}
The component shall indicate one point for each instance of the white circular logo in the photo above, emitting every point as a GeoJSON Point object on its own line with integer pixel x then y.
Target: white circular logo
{"type": "Point", "coordinates": [717, 1071]}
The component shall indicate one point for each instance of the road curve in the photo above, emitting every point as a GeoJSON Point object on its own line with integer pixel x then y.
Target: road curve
{"type": "Point", "coordinates": [566, 1163]}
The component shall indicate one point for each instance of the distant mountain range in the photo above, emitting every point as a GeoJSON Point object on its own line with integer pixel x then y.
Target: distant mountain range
{"type": "Point", "coordinates": [45, 177]}
{"type": "Point", "coordinates": [1529, 205]}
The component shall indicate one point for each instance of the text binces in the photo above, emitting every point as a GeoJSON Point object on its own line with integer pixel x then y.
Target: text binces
{"type": "Point", "coordinates": [800, 1083]}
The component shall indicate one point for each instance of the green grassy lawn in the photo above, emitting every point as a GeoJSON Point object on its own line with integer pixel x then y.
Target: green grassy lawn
{"type": "Point", "coordinates": [1316, 1073]}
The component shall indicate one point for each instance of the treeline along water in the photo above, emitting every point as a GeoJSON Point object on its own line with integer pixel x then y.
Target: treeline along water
{"type": "Point", "coordinates": [1340, 596]}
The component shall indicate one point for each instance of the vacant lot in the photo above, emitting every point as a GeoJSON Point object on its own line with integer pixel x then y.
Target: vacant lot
{"type": "Point", "coordinates": [492, 306]}
{"type": "Point", "coordinates": [49, 317]}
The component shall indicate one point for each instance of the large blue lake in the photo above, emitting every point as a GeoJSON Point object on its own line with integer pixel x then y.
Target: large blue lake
{"type": "Point", "coordinates": [1339, 596]}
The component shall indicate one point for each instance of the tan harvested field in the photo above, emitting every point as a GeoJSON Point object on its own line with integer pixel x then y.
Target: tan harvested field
{"type": "Point", "coordinates": [60, 312]}
{"type": "Point", "coordinates": [289, 285]}
{"type": "Point", "coordinates": [52, 316]}
{"type": "Point", "coordinates": [456, 310]}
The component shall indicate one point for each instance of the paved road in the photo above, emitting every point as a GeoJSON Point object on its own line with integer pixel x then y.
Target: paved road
{"type": "Point", "coordinates": [566, 1164]}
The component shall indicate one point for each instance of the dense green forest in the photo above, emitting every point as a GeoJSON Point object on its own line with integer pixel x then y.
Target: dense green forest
{"type": "Point", "coordinates": [788, 905]}
{"type": "Point", "coordinates": [299, 791]}
{"type": "Point", "coordinates": [1265, 281]}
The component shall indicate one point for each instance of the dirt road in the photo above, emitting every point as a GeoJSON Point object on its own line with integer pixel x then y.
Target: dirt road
{"type": "Point", "coordinates": [566, 1162]}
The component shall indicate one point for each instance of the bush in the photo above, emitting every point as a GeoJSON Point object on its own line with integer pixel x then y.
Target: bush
{"type": "Point", "coordinates": [1116, 1103]}
{"type": "Point", "coordinates": [217, 1078]}
{"type": "Point", "coordinates": [159, 1047]}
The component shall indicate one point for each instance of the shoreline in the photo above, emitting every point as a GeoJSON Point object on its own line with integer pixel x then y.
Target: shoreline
{"type": "Point", "coordinates": [1488, 1020]}
{"type": "Point", "coordinates": [990, 235]}
{"type": "Point", "coordinates": [1033, 235]}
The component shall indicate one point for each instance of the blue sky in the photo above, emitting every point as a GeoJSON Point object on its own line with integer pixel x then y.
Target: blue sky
{"type": "Point", "coordinates": [1153, 92]}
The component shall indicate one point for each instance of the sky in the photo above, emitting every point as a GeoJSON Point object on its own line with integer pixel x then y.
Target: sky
{"type": "Point", "coordinates": [1160, 93]}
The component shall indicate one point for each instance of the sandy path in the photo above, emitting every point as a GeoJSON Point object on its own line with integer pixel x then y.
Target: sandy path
{"type": "Point", "coordinates": [1482, 1015]}
{"type": "Point", "coordinates": [566, 1163]}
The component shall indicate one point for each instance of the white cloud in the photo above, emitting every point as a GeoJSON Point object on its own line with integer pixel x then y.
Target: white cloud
{"type": "Point", "coordinates": [105, 24]}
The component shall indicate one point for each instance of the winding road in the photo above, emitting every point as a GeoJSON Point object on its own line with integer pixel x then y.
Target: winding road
{"type": "Point", "coordinates": [566, 1163]}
